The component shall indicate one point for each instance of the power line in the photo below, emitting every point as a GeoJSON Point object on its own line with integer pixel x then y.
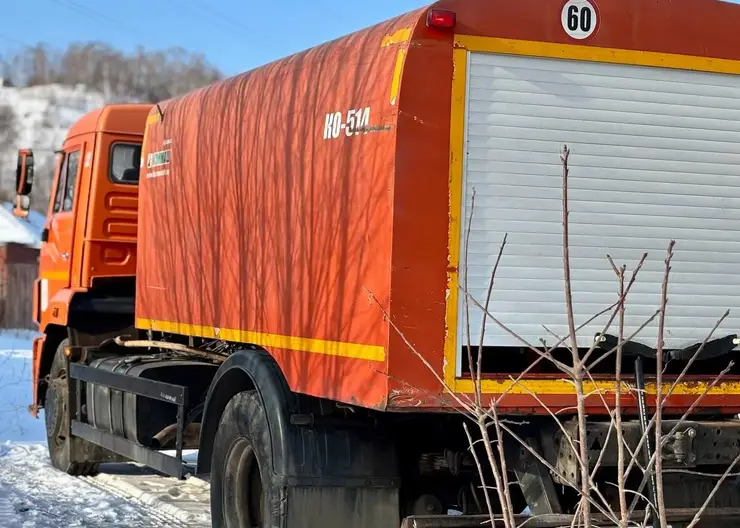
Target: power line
{"type": "Point", "coordinates": [91, 13]}
{"type": "Point", "coordinates": [15, 41]}
{"type": "Point", "coordinates": [224, 21]}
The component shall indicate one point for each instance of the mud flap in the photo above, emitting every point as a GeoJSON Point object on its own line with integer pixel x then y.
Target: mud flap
{"type": "Point", "coordinates": [341, 507]}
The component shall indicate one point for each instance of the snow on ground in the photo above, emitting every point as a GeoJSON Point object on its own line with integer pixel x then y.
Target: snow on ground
{"type": "Point", "coordinates": [35, 495]}
{"type": "Point", "coordinates": [16, 423]}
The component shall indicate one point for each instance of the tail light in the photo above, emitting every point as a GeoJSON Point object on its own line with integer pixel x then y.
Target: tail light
{"type": "Point", "coordinates": [441, 19]}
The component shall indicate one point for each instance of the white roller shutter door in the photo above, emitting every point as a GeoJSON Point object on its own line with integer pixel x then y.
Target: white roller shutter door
{"type": "Point", "coordinates": [655, 156]}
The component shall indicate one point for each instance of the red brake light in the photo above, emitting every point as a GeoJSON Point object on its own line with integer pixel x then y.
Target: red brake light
{"type": "Point", "coordinates": [441, 19]}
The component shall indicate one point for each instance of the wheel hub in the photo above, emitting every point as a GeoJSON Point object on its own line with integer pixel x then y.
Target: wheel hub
{"type": "Point", "coordinates": [243, 499]}
{"type": "Point", "coordinates": [56, 406]}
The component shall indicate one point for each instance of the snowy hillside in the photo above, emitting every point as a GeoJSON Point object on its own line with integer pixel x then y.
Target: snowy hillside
{"type": "Point", "coordinates": [42, 116]}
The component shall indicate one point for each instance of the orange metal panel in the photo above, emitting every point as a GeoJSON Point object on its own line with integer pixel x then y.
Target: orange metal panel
{"type": "Point", "coordinates": [38, 346]}
{"type": "Point", "coordinates": [266, 207]}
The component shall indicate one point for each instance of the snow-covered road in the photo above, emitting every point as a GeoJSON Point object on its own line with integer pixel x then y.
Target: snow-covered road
{"type": "Point", "coordinates": [35, 495]}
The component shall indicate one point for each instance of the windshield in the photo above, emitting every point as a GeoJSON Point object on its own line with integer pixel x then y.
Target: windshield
{"type": "Point", "coordinates": [125, 162]}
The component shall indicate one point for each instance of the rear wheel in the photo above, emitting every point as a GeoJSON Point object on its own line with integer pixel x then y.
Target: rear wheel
{"type": "Point", "coordinates": [57, 422]}
{"type": "Point", "coordinates": [241, 489]}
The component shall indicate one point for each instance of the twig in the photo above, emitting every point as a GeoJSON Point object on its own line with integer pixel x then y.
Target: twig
{"type": "Point", "coordinates": [482, 477]}
{"type": "Point", "coordinates": [557, 421]}
{"type": "Point", "coordinates": [467, 305]}
{"type": "Point", "coordinates": [437, 397]}
{"type": "Point", "coordinates": [695, 356]}
{"type": "Point", "coordinates": [421, 357]}
{"type": "Point", "coordinates": [630, 338]}
{"type": "Point", "coordinates": [563, 478]}
{"type": "Point", "coordinates": [698, 515]}
{"type": "Point", "coordinates": [549, 352]}
{"type": "Point", "coordinates": [176, 348]}
{"type": "Point", "coordinates": [559, 364]}
{"type": "Point", "coordinates": [499, 474]}
{"type": "Point", "coordinates": [700, 473]}
{"type": "Point", "coordinates": [620, 303]}
{"type": "Point", "coordinates": [483, 324]}
{"type": "Point", "coordinates": [658, 449]}
{"type": "Point", "coordinates": [624, 514]}
{"type": "Point", "coordinates": [577, 371]}
{"type": "Point", "coordinates": [659, 387]}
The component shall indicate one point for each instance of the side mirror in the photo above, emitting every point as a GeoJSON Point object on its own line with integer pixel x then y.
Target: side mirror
{"type": "Point", "coordinates": [23, 182]}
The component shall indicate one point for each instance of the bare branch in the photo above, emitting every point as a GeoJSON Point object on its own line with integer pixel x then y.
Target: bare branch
{"type": "Point", "coordinates": [659, 387]}
{"type": "Point", "coordinates": [624, 514]}
{"type": "Point", "coordinates": [559, 364]}
{"type": "Point", "coordinates": [658, 449]}
{"type": "Point", "coordinates": [482, 476]}
{"type": "Point", "coordinates": [694, 357]}
{"type": "Point", "coordinates": [577, 371]}
{"type": "Point", "coordinates": [421, 357]}
{"type": "Point", "coordinates": [714, 491]}
{"type": "Point", "coordinates": [563, 478]}
{"type": "Point", "coordinates": [467, 305]}
{"type": "Point", "coordinates": [485, 312]}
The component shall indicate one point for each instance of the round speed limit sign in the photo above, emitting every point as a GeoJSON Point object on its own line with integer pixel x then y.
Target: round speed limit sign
{"type": "Point", "coordinates": [579, 19]}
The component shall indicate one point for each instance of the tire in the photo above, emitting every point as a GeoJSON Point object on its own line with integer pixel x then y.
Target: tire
{"type": "Point", "coordinates": [242, 495]}
{"type": "Point", "coordinates": [55, 415]}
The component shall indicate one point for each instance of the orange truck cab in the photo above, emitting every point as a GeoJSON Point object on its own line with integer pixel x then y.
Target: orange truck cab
{"type": "Point", "coordinates": [88, 255]}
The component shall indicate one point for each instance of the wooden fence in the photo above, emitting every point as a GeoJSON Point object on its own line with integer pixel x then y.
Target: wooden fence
{"type": "Point", "coordinates": [16, 295]}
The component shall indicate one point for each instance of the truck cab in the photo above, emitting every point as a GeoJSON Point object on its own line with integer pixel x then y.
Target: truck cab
{"type": "Point", "coordinates": [87, 261]}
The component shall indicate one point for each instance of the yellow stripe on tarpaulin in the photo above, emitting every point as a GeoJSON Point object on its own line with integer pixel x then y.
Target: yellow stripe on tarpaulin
{"type": "Point", "coordinates": [397, 72]}
{"type": "Point", "coordinates": [402, 35]}
{"type": "Point", "coordinates": [300, 344]}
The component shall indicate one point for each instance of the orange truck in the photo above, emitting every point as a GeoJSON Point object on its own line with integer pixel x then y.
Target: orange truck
{"type": "Point", "coordinates": [245, 269]}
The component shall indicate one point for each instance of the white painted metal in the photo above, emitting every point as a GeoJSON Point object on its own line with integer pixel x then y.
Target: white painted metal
{"type": "Point", "coordinates": [655, 156]}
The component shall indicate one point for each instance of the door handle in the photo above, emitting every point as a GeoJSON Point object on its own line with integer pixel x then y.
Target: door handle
{"type": "Point", "coordinates": [65, 256]}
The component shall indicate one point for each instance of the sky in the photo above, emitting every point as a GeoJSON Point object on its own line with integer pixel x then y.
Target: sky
{"type": "Point", "coordinates": [234, 35]}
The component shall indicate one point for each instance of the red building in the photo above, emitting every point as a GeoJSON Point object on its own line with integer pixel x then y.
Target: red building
{"type": "Point", "coordinates": [19, 254]}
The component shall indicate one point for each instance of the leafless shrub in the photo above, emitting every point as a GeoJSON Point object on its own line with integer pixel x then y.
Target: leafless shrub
{"type": "Point", "coordinates": [487, 416]}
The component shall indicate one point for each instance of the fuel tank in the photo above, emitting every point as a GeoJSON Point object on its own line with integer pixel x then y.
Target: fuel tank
{"type": "Point", "coordinates": [138, 418]}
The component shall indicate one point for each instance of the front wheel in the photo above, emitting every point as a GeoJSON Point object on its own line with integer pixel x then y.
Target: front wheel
{"type": "Point", "coordinates": [57, 422]}
{"type": "Point", "coordinates": [242, 495]}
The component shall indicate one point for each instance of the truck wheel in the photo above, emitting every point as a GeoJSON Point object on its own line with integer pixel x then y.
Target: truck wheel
{"type": "Point", "coordinates": [242, 494]}
{"type": "Point", "coordinates": [55, 414]}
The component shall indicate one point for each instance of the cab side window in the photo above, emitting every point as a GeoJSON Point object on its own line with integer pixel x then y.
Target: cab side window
{"type": "Point", "coordinates": [72, 163]}
{"type": "Point", "coordinates": [125, 162]}
{"type": "Point", "coordinates": [60, 187]}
